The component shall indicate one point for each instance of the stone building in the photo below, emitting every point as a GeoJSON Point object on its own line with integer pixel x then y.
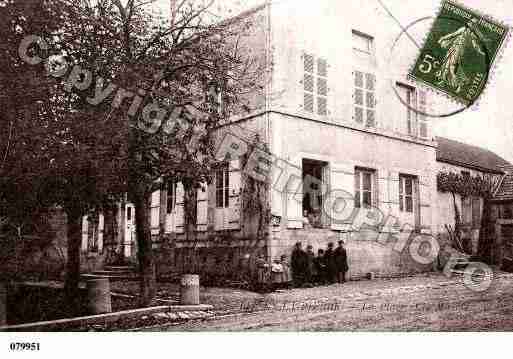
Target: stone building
{"type": "Point", "coordinates": [353, 157]}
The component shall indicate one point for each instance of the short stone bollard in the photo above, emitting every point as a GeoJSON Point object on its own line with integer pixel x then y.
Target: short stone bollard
{"type": "Point", "coordinates": [98, 296]}
{"type": "Point", "coordinates": [189, 289]}
{"type": "Point", "coordinates": [3, 304]}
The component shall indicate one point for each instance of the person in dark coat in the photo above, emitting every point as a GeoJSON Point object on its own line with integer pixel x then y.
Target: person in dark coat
{"type": "Point", "coordinates": [340, 255]}
{"type": "Point", "coordinates": [310, 268]}
{"type": "Point", "coordinates": [298, 264]}
{"type": "Point", "coordinates": [320, 268]}
{"type": "Point", "coordinates": [331, 268]}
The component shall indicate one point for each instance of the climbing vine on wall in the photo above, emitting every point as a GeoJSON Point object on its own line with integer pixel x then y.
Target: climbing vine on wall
{"type": "Point", "coordinates": [466, 186]}
{"type": "Point", "coordinates": [255, 191]}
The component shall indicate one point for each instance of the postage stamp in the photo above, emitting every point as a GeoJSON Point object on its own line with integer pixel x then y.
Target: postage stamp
{"type": "Point", "coordinates": [459, 52]}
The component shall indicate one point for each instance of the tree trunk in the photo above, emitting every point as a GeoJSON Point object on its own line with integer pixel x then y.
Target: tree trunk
{"type": "Point", "coordinates": [74, 234]}
{"type": "Point", "coordinates": [147, 270]}
{"type": "Point", "coordinates": [190, 208]}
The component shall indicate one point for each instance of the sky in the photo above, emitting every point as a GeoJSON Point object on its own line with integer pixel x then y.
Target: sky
{"type": "Point", "coordinates": [489, 123]}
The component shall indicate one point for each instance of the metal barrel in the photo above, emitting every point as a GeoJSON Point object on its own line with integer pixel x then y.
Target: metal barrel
{"type": "Point", "coordinates": [189, 289]}
{"type": "Point", "coordinates": [98, 296]}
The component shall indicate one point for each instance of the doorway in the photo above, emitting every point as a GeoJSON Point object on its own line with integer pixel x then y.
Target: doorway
{"type": "Point", "coordinates": [315, 184]}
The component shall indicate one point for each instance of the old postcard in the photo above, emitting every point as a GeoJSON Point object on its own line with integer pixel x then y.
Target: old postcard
{"type": "Point", "coordinates": [254, 166]}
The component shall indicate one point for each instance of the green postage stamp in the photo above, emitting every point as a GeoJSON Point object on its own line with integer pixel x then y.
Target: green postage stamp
{"type": "Point", "coordinates": [459, 52]}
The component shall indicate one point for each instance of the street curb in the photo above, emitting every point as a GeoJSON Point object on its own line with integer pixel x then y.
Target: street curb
{"type": "Point", "coordinates": [101, 318]}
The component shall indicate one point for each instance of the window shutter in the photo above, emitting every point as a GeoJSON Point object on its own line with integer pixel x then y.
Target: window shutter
{"type": "Point", "coordinates": [232, 213]}
{"type": "Point", "coordinates": [202, 208]}
{"type": "Point", "coordinates": [423, 121]}
{"type": "Point", "coordinates": [101, 227]}
{"type": "Point", "coordinates": [394, 188]}
{"type": "Point", "coordinates": [85, 232]}
{"type": "Point", "coordinates": [154, 212]}
{"type": "Point", "coordinates": [341, 201]}
{"type": "Point", "coordinates": [382, 186]}
{"type": "Point", "coordinates": [322, 87]}
{"type": "Point", "coordinates": [179, 209]}
{"type": "Point", "coordinates": [294, 197]}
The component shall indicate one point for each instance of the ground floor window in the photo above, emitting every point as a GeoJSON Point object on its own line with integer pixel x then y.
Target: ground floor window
{"type": "Point", "coordinates": [171, 196]}
{"type": "Point", "coordinates": [222, 178]}
{"type": "Point", "coordinates": [314, 176]}
{"type": "Point", "coordinates": [364, 187]}
{"type": "Point", "coordinates": [407, 185]}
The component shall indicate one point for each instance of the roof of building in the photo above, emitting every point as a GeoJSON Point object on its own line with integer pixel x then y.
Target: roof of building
{"type": "Point", "coordinates": [462, 154]}
{"type": "Point", "coordinates": [505, 191]}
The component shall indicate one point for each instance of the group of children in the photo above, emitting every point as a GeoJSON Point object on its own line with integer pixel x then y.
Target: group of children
{"type": "Point", "coordinates": [305, 268]}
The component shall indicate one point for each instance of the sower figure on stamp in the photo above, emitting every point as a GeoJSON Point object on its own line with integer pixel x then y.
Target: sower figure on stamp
{"type": "Point", "coordinates": [340, 255]}
{"type": "Point", "coordinates": [298, 263]}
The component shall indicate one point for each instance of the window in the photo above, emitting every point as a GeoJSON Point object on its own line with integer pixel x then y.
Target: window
{"type": "Point", "coordinates": [414, 115]}
{"type": "Point", "coordinates": [409, 102]}
{"type": "Point", "coordinates": [315, 85]}
{"type": "Point", "coordinates": [129, 213]}
{"type": "Point", "coordinates": [471, 208]}
{"type": "Point", "coordinates": [363, 184]}
{"type": "Point", "coordinates": [406, 193]}
{"type": "Point", "coordinates": [171, 196]}
{"type": "Point", "coordinates": [364, 98]}
{"type": "Point", "coordinates": [362, 43]}
{"type": "Point", "coordinates": [222, 187]}
{"type": "Point", "coordinates": [465, 174]}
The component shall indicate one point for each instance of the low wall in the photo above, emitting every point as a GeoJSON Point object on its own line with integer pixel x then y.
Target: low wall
{"type": "Point", "coordinates": [365, 253]}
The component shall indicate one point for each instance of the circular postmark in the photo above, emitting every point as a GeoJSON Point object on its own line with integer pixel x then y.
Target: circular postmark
{"type": "Point", "coordinates": [433, 64]}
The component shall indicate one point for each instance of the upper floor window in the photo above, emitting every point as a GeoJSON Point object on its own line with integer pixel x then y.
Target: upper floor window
{"type": "Point", "coordinates": [364, 98]}
{"type": "Point", "coordinates": [315, 84]}
{"type": "Point", "coordinates": [364, 188]}
{"type": "Point", "coordinates": [362, 42]}
{"type": "Point", "coordinates": [222, 179]}
{"type": "Point", "coordinates": [413, 113]}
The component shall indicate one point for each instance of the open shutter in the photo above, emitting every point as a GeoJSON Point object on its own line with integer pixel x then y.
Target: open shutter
{"type": "Point", "coordinates": [155, 212]}
{"type": "Point", "coordinates": [232, 213]}
{"type": "Point", "coordinates": [423, 121]}
{"type": "Point", "coordinates": [294, 197]}
{"type": "Point", "coordinates": [202, 208]}
{"type": "Point", "coordinates": [85, 231]}
{"type": "Point", "coordinates": [101, 227]}
{"type": "Point", "coordinates": [341, 195]}
{"type": "Point", "coordinates": [179, 209]}
{"type": "Point", "coordinates": [382, 181]}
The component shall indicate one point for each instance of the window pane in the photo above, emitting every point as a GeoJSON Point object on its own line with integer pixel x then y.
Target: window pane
{"type": "Point", "coordinates": [309, 83]}
{"type": "Point", "coordinates": [370, 81]}
{"type": "Point", "coordinates": [367, 199]}
{"type": "Point", "coordinates": [219, 179]}
{"type": "Point", "coordinates": [409, 186]}
{"type": "Point", "coordinates": [371, 120]}
{"type": "Point", "coordinates": [357, 180]}
{"type": "Point", "coordinates": [358, 114]}
{"type": "Point", "coordinates": [322, 67]}
{"type": "Point", "coordinates": [401, 203]}
{"type": "Point", "coordinates": [362, 43]}
{"type": "Point", "coordinates": [357, 199]}
{"type": "Point", "coordinates": [358, 79]}
{"type": "Point", "coordinates": [322, 106]}
{"type": "Point", "coordinates": [309, 63]}
{"type": "Point", "coordinates": [309, 102]}
{"type": "Point", "coordinates": [401, 184]}
{"type": "Point", "coordinates": [370, 100]}
{"type": "Point", "coordinates": [367, 181]}
{"type": "Point", "coordinates": [409, 204]}
{"type": "Point", "coordinates": [322, 86]}
{"type": "Point", "coordinates": [358, 97]}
